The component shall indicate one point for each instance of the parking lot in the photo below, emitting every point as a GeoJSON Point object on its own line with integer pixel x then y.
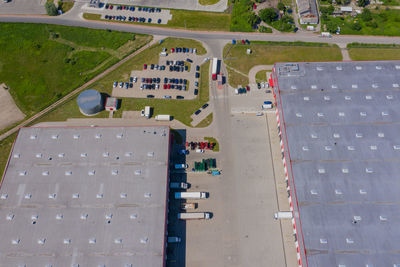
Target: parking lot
{"type": "Point", "coordinates": [23, 7]}
{"type": "Point", "coordinates": [177, 78]}
{"type": "Point", "coordinates": [132, 13]}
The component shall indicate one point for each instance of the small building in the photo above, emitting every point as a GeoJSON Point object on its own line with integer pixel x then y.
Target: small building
{"type": "Point", "coordinates": [308, 11]}
{"type": "Point", "coordinates": [111, 104]}
{"type": "Point", "coordinates": [346, 9]}
{"type": "Point", "coordinates": [90, 102]}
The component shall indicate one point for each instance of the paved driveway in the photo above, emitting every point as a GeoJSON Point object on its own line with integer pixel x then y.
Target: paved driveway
{"type": "Point", "coordinates": [23, 7]}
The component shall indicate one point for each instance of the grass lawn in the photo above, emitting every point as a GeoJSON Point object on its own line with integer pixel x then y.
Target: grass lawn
{"type": "Point", "coordinates": [206, 121]}
{"type": "Point", "coordinates": [241, 12]}
{"type": "Point", "coordinates": [384, 22]}
{"type": "Point", "coordinates": [5, 148]}
{"type": "Point", "coordinates": [66, 6]}
{"type": "Point", "coordinates": [374, 53]}
{"type": "Point", "coordinates": [40, 70]}
{"type": "Point", "coordinates": [213, 140]}
{"type": "Point", "coordinates": [236, 79]}
{"type": "Point", "coordinates": [261, 75]}
{"type": "Point", "coordinates": [264, 53]}
{"type": "Point", "coordinates": [186, 19]}
{"type": "Point", "coordinates": [208, 2]}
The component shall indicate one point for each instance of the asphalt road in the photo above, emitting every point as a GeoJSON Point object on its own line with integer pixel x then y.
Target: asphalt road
{"type": "Point", "coordinates": [203, 35]}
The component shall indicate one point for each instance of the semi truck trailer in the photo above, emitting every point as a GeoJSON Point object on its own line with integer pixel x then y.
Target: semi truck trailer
{"type": "Point", "coordinates": [194, 216]}
{"type": "Point", "coordinates": [190, 195]}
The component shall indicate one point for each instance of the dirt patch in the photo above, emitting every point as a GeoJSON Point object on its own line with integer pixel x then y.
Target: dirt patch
{"type": "Point", "coordinates": [9, 112]}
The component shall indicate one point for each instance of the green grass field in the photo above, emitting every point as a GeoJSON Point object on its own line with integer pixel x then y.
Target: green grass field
{"type": "Point", "coordinates": [40, 67]}
{"type": "Point", "coordinates": [261, 76]}
{"type": "Point", "coordinates": [374, 53]}
{"type": "Point", "coordinates": [208, 2]}
{"type": "Point", "coordinates": [240, 16]}
{"type": "Point", "coordinates": [383, 22]}
{"type": "Point", "coordinates": [213, 140]}
{"type": "Point", "coordinates": [186, 19]}
{"type": "Point", "coordinates": [236, 79]}
{"type": "Point", "coordinates": [206, 121]}
{"type": "Point", "coordinates": [269, 53]}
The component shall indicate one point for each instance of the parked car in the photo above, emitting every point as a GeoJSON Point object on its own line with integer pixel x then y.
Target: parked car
{"type": "Point", "coordinates": [197, 112]}
{"type": "Point", "coordinates": [189, 60]}
{"type": "Point", "coordinates": [159, 21]}
{"type": "Point", "coordinates": [150, 96]}
{"type": "Point", "coordinates": [204, 106]}
{"type": "Point", "coordinates": [179, 97]}
{"type": "Point", "coordinates": [167, 97]}
{"type": "Point", "coordinates": [196, 92]}
{"type": "Point", "coordinates": [115, 84]}
{"type": "Point", "coordinates": [145, 66]}
{"type": "Point", "coordinates": [121, 84]}
{"type": "Point", "coordinates": [197, 68]}
{"type": "Point", "coordinates": [197, 75]}
{"type": "Point", "coordinates": [152, 66]}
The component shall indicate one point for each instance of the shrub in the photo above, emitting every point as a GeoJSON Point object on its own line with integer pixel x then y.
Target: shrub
{"type": "Point", "coordinates": [267, 15]}
{"type": "Point", "coordinates": [51, 9]}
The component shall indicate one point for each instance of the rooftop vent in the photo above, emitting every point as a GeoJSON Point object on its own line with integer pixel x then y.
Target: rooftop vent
{"type": "Point", "coordinates": [17, 156]}
{"type": "Point", "coordinates": [381, 135]}
{"type": "Point", "coordinates": [363, 192]}
{"type": "Point", "coordinates": [67, 241]}
{"type": "Point", "coordinates": [114, 172]}
{"type": "Point", "coordinates": [299, 115]}
{"type": "Point", "coordinates": [320, 68]}
{"type": "Point", "coordinates": [357, 218]}
{"type": "Point", "coordinates": [320, 114]}
{"type": "Point", "coordinates": [138, 172]}
{"type": "Point", "coordinates": [123, 195]}
{"type": "Point", "coordinates": [334, 86]}
{"type": "Point", "coordinates": [323, 241]}
{"type": "Point", "coordinates": [39, 155]}
{"type": "Point", "coordinates": [41, 241]}
{"type": "Point", "coordinates": [84, 216]}
{"type": "Point", "coordinates": [15, 241]}
{"type": "Point", "coordinates": [313, 192]}
{"type": "Point", "coordinates": [336, 135]}
{"type": "Point", "coordinates": [375, 85]}
{"type": "Point", "coordinates": [327, 98]}
{"type": "Point", "coordinates": [68, 173]}
{"type": "Point", "coordinates": [359, 135]}
{"type": "Point", "coordinates": [383, 218]}
{"type": "Point", "coordinates": [33, 137]}
{"type": "Point", "coordinates": [351, 148]}
{"type": "Point", "coordinates": [321, 170]}
{"type": "Point", "coordinates": [358, 68]}
{"type": "Point", "coordinates": [345, 170]}
{"type": "Point", "coordinates": [368, 97]}
{"type": "Point", "coordinates": [119, 136]}
{"type": "Point", "coordinates": [55, 136]}
{"type": "Point", "coordinates": [147, 195]}
{"type": "Point", "coordinates": [396, 147]}
{"type": "Point", "coordinates": [338, 192]}
{"type": "Point", "coordinates": [385, 113]}
{"type": "Point", "coordinates": [76, 136]}
{"type": "Point", "coordinates": [59, 217]}
{"type": "Point", "coordinates": [133, 216]}
{"type": "Point", "coordinates": [52, 196]}
{"type": "Point", "coordinates": [354, 86]}
{"type": "Point", "coordinates": [22, 173]}
{"type": "Point", "coordinates": [363, 113]}
{"type": "Point", "coordinates": [128, 154]}
{"type": "Point", "coordinates": [328, 148]}
{"type": "Point", "coordinates": [313, 87]}
{"type": "Point", "coordinates": [389, 97]}
{"type": "Point", "coordinates": [45, 173]}
{"type": "Point", "coordinates": [294, 87]}
{"type": "Point", "coordinates": [92, 172]}
{"type": "Point", "coordinates": [61, 155]}
{"type": "Point", "coordinates": [118, 241]}
{"type": "Point", "coordinates": [28, 196]}
{"type": "Point", "coordinates": [92, 240]}
{"type": "Point", "coordinates": [347, 97]}
{"type": "Point", "coordinates": [99, 196]}
{"type": "Point", "coordinates": [341, 114]}
{"type": "Point", "coordinates": [4, 196]}
{"type": "Point", "coordinates": [144, 240]}
{"type": "Point", "coordinates": [10, 217]}
{"type": "Point", "coordinates": [306, 98]}
{"type": "Point", "coordinates": [83, 155]}
{"type": "Point", "coordinates": [97, 136]}
{"type": "Point", "coordinates": [305, 148]}
{"type": "Point", "coordinates": [369, 170]}
{"type": "Point", "coordinates": [150, 154]}
{"type": "Point", "coordinates": [106, 154]}
{"type": "Point", "coordinates": [314, 136]}
{"type": "Point", "coordinates": [75, 195]}
{"type": "Point", "coordinates": [349, 241]}
{"type": "Point", "coordinates": [339, 68]}
{"type": "Point", "coordinates": [378, 67]}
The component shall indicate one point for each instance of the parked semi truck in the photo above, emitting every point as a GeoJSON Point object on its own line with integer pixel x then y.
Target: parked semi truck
{"type": "Point", "coordinates": [190, 195]}
{"type": "Point", "coordinates": [147, 112]}
{"type": "Point", "coordinates": [214, 68]}
{"type": "Point", "coordinates": [178, 185]}
{"type": "Point", "coordinates": [194, 215]}
{"type": "Point", "coordinates": [163, 117]}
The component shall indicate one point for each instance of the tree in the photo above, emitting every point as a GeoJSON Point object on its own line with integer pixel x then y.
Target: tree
{"type": "Point", "coordinates": [267, 14]}
{"type": "Point", "coordinates": [356, 26]}
{"type": "Point", "coordinates": [253, 19]}
{"type": "Point", "coordinates": [51, 9]}
{"type": "Point", "coordinates": [366, 15]}
{"type": "Point", "coordinates": [363, 3]}
{"type": "Point", "coordinates": [331, 27]}
{"type": "Point", "coordinates": [281, 6]}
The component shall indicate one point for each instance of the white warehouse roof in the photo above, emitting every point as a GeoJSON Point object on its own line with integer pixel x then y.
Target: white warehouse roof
{"type": "Point", "coordinates": [85, 196]}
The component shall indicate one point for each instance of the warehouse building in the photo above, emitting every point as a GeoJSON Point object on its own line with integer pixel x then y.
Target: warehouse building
{"type": "Point", "coordinates": [339, 123]}
{"type": "Point", "coordinates": [85, 196]}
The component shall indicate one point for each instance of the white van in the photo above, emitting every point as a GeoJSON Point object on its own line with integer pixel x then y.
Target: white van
{"type": "Point", "coordinates": [163, 54]}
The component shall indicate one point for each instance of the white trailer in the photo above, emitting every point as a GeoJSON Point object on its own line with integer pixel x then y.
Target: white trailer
{"type": "Point", "coordinates": [190, 195]}
{"type": "Point", "coordinates": [214, 69]}
{"type": "Point", "coordinates": [178, 185]}
{"type": "Point", "coordinates": [194, 216]}
{"type": "Point", "coordinates": [283, 215]}
{"type": "Point", "coordinates": [147, 112]}
{"type": "Point", "coordinates": [310, 28]}
{"type": "Point", "coordinates": [163, 117]}
{"type": "Point", "coordinates": [326, 34]}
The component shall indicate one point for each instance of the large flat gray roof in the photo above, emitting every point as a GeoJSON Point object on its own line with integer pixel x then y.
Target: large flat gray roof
{"type": "Point", "coordinates": [341, 128]}
{"type": "Point", "coordinates": [93, 196]}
